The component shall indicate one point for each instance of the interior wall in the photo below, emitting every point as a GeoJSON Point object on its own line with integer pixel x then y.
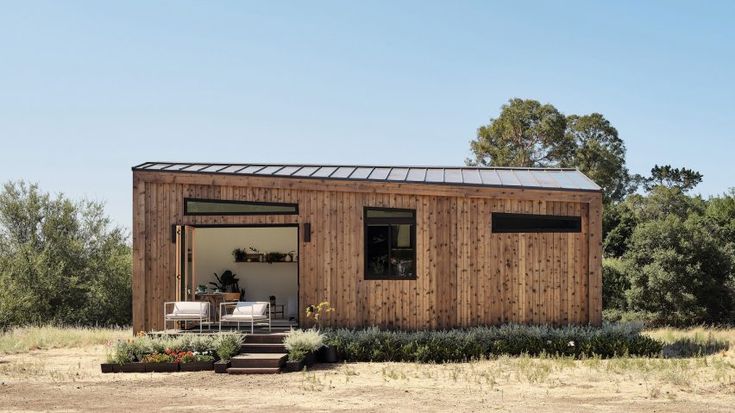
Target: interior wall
{"type": "Point", "coordinates": [213, 254]}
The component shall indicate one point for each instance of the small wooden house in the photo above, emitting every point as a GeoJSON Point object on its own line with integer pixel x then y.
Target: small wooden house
{"type": "Point", "coordinates": [391, 246]}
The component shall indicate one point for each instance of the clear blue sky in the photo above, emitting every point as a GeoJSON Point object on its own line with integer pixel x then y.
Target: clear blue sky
{"type": "Point", "coordinates": [88, 89]}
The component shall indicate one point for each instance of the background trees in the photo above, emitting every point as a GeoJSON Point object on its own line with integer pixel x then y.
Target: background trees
{"type": "Point", "coordinates": [669, 256]}
{"type": "Point", "coordinates": [61, 261]}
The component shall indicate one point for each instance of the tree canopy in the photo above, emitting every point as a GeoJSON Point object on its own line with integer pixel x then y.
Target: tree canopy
{"type": "Point", "coordinates": [61, 261]}
{"type": "Point", "coordinates": [530, 134]}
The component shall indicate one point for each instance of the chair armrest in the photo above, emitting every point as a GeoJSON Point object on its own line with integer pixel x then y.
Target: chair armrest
{"type": "Point", "coordinates": [223, 306]}
{"type": "Point", "coordinates": [166, 304]}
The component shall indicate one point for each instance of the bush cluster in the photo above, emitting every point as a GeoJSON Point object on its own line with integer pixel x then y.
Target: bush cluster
{"type": "Point", "coordinates": [299, 343]}
{"type": "Point", "coordinates": [373, 344]}
{"type": "Point", "coordinates": [202, 348]}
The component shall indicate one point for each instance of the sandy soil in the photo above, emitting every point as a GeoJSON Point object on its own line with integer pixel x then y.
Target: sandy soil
{"type": "Point", "coordinates": [69, 380]}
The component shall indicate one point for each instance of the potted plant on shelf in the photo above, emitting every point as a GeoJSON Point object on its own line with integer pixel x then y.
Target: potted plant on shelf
{"type": "Point", "coordinates": [228, 284]}
{"type": "Point", "coordinates": [291, 256]}
{"type": "Point", "coordinates": [239, 254]}
{"type": "Point", "coordinates": [254, 255]}
{"type": "Point", "coordinates": [272, 257]}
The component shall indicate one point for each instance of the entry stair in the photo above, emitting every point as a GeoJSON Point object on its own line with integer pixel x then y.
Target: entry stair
{"type": "Point", "coordinates": [260, 354]}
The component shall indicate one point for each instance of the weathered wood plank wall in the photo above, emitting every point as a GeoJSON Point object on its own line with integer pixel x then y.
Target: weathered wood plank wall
{"type": "Point", "coordinates": [466, 275]}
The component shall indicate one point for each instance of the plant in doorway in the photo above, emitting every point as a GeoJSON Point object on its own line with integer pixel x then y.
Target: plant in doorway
{"type": "Point", "coordinates": [227, 282]}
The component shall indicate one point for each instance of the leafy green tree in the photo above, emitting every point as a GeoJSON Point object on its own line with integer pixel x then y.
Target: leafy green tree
{"type": "Point", "coordinates": [618, 223]}
{"type": "Point", "coordinates": [679, 270]}
{"type": "Point", "coordinates": [526, 134]}
{"type": "Point", "coordinates": [599, 153]}
{"type": "Point", "coordinates": [669, 177]}
{"type": "Point", "coordinates": [60, 261]}
{"type": "Point", "coordinates": [530, 134]}
{"type": "Point", "coordinates": [614, 284]}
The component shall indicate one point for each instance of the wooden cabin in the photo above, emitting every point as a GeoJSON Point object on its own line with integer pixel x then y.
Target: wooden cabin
{"type": "Point", "coordinates": [391, 246]}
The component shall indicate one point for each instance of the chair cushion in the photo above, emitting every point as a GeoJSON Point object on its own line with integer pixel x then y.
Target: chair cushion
{"type": "Point", "coordinates": [250, 308]}
{"type": "Point", "coordinates": [190, 308]}
{"type": "Point", "coordinates": [242, 317]}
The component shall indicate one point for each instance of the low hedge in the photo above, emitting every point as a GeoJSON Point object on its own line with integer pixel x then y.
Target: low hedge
{"type": "Point", "coordinates": [373, 344]}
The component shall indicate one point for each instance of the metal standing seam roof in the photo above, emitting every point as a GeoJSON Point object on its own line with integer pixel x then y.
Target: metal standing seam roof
{"type": "Point", "coordinates": [537, 178]}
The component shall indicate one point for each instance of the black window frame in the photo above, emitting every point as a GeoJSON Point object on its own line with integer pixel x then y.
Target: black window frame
{"type": "Point", "coordinates": [237, 202]}
{"type": "Point", "coordinates": [576, 222]}
{"type": "Point", "coordinates": [389, 221]}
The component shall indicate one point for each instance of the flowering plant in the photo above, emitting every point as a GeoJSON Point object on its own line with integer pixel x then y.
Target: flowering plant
{"type": "Point", "coordinates": [318, 312]}
{"type": "Point", "coordinates": [158, 358]}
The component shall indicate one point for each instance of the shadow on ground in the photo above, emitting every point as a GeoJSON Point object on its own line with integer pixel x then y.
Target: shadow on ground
{"type": "Point", "coordinates": [687, 347]}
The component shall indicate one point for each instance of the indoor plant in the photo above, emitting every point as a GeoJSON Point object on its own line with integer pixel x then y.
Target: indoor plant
{"type": "Point", "coordinates": [239, 254]}
{"type": "Point", "coordinates": [227, 283]}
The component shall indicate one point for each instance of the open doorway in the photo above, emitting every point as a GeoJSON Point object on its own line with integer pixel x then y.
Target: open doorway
{"type": "Point", "coordinates": [263, 259]}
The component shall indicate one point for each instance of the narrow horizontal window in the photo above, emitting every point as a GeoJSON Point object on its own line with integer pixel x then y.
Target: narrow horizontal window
{"type": "Point", "coordinates": [502, 222]}
{"type": "Point", "coordinates": [390, 244]}
{"type": "Point", "coordinates": [222, 207]}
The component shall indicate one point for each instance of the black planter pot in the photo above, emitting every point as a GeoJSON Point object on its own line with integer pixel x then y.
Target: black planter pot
{"type": "Point", "coordinates": [327, 354]}
{"type": "Point", "coordinates": [294, 365]}
{"type": "Point", "coordinates": [197, 366]}
{"type": "Point", "coordinates": [310, 359]}
{"type": "Point", "coordinates": [131, 368]}
{"type": "Point", "coordinates": [221, 366]}
{"type": "Point", "coordinates": [161, 367]}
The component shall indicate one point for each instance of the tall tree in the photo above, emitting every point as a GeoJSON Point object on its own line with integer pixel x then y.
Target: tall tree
{"type": "Point", "coordinates": [526, 134]}
{"type": "Point", "coordinates": [667, 176]}
{"type": "Point", "coordinates": [530, 134]}
{"type": "Point", "coordinates": [599, 153]}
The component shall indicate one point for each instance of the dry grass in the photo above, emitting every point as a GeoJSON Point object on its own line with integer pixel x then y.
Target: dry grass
{"type": "Point", "coordinates": [70, 379]}
{"type": "Point", "coordinates": [25, 339]}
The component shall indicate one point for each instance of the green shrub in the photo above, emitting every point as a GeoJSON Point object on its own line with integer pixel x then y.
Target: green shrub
{"type": "Point", "coordinates": [373, 344]}
{"type": "Point", "coordinates": [204, 357]}
{"type": "Point", "coordinates": [136, 349]}
{"type": "Point", "coordinates": [299, 343]}
{"type": "Point", "coordinates": [227, 345]}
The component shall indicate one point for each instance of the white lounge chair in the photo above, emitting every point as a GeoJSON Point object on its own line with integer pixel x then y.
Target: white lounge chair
{"type": "Point", "coordinates": [186, 311]}
{"type": "Point", "coordinates": [246, 312]}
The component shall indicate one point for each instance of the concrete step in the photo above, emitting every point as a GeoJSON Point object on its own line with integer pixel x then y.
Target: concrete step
{"type": "Point", "coordinates": [258, 360]}
{"type": "Point", "coordinates": [275, 338]}
{"type": "Point", "coordinates": [262, 348]}
{"type": "Point", "coordinates": [254, 370]}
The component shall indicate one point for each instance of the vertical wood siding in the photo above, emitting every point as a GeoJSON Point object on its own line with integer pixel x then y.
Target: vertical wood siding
{"type": "Point", "coordinates": [466, 275]}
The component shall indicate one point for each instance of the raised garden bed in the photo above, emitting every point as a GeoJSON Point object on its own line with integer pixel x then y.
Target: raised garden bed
{"type": "Point", "coordinates": [158, 367]}
{"type": "Point", "coordinates": [197, 366]}
{"type": "Point", "coordinates": [161, 367]}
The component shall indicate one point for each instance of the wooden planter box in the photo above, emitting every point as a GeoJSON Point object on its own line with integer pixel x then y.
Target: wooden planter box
{"type": "Point", "coordinates": [131, 368]}
{"type": "Point", "coordinates": [110, 367]}
{"type": "Point", "coordinates": [161, 367]}
{"type": "Point", "coordinates": [197, 366]}
{"type": "Point", "coordinates": [221, 366]}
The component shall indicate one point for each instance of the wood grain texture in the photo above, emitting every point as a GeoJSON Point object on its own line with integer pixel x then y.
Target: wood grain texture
{"type": "Point", "coordinates": [466, 275]}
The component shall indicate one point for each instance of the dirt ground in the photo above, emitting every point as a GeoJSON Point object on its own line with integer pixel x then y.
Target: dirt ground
{"type": "Point", "coordinates": [69, 380]}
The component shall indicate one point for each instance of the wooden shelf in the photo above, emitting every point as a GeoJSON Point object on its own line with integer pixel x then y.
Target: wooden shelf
{"type": "Point", "coordinates": [264, 262]}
